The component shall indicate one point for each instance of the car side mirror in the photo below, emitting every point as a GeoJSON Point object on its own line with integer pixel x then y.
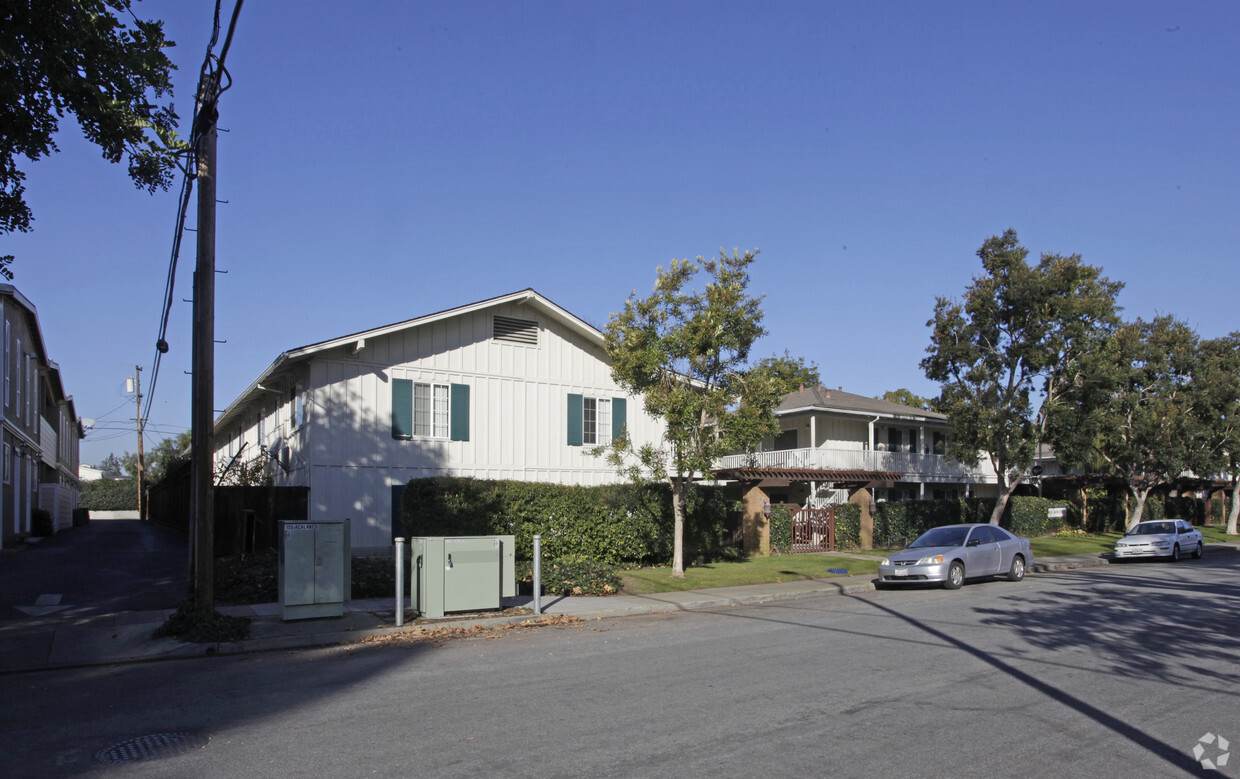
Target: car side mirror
{"type": "Point", "coordinates": [973, 542]}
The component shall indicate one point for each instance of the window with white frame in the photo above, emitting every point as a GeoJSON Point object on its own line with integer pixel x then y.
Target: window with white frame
{"type": "Point", "coordinates": [596, 421]}
{"type": "Point", "coordinates": [431, 410]}
{"type": "Point", "coordinates": [8, 464]}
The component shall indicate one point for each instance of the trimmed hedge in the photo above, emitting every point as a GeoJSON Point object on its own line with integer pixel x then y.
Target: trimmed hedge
{"type": "Point", "coordinates": [781, 529]}
{"type": "Point", "coordinates": [848, 526]}
{"type": "Point", "coordinates": [570, 576]}
{"type": "Point", "coordinates": [898, 522]}
{"type": "Point", "coordinates": [1192, 509]}
{"type": "Point", "coordinates": [109, 495]}
{"type": "Point", "coordinates": [617, 525]}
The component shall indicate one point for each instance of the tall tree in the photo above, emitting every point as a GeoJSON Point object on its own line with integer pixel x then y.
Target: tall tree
{"type": "Point", "coordinates": [1136, 408]}
{"type": "Point", "coordinates": [78, 57]}
{"type": "Point", "coordinates": [112, 467]}
{"type": "Point", "coordinates": [1005, 353]}
{"type": "Point", "coordinates": [1217, 378]}
{"type": "Point", "coordinates": [161, 459]}
{"type": "Point", "coordinates": [686, 353]}
{"type": "Point", "coordinates": [906, 397]}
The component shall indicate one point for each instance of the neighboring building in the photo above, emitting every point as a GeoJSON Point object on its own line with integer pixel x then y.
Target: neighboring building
{"type": "Point", "coordinates": [514, 387]}
{"type": "Point", "coordinates": [89, 473]}
{"type": "Point", "coordinates": [834, 441]}
{"type": "Point", "coordinates": [39, 427]}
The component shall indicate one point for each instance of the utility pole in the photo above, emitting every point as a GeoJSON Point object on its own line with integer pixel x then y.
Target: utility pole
{"type": "Point", "coordinates": [137, 397]}
{"type": "Point", "coordinates": [203, 400]}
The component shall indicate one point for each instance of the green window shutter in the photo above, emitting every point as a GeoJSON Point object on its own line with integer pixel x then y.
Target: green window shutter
{"type": "Point", "coordinates": [574, 420]}
{"type": "Point", "coordinates": [619, 408]}
{"type": "Point", "coordinates": [402, 408]}
{"type": "Point", "coordinates": [460, 412]}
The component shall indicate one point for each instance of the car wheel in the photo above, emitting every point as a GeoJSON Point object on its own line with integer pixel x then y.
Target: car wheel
{"type": "Point", "coordinates": [955, 576]}
{"type": "Point", "coordinates": [1198, 551]}
{"type": "Point", "coordinates": [1175, 553]}
{"type": "Point", "coordinates": [1017, 571]}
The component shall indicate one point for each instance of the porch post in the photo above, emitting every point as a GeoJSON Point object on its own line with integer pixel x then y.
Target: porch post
{"type": "Point", "coordinates": [862, 498]}
{"type": "Point", "coordinates": [756, 525]}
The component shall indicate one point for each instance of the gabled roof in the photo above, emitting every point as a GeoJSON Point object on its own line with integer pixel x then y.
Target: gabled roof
{"type": "Point", "coordinates": [32, 317]}
{"type": "Point", "coordinates": [821, 399]}
{"type": "Point", "coordinates": [525, 297]}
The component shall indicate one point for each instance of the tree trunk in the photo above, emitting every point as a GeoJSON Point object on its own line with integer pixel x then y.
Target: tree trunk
{"type": "Point", "coordinates": [678, 537]}
{"type": "Point", "coordinates": [1140, 496]}
{"type": "Point", "coordinates": [1234, 511]}
{"type": "Point", "coordinates": [1005, 494]}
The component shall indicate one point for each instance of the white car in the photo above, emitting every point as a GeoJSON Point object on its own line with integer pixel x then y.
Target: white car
{"type": "Point", "coordinates": [1160, 538]}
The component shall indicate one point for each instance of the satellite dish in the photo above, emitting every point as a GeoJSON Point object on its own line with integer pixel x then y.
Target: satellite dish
{"type": "Point", "coordinates": [87, 423]}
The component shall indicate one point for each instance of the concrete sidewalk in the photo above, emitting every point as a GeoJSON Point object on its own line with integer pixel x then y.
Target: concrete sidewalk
{"type": "Point", "coordinates": [127, 637]}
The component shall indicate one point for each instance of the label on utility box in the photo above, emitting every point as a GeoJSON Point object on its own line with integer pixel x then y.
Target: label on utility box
{"type": "Point", "coordinates": [288, 529]}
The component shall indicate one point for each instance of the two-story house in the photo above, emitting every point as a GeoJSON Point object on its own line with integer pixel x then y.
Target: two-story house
{"type": "Point", "coordinates": [514, 387]}
{"type": "Point", "coordinates": [832, 440]}
{"type": "Point", "coordinates": [39, 430]}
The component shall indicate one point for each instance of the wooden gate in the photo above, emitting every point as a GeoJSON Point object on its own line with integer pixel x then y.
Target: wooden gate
{"type": "Point", "coordinates": [813, 530]}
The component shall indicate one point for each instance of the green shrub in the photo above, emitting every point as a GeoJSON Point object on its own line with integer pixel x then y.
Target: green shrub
{"type": "Point", "coordinates": [81, 516]}
{"type": "Point", "coordinates": [109, 495]}
{"type": "Point", "coordinates": [243, 580]}
{"type": "Point", "coordinates": [1218, 511]}
{"type": "Point", "coordinates": [848, 526]}
{"type": "Point", "coordinates": [41, 523]}
{"type": "Point", "coordinates": [613, 524]}
{"type": "Point", "coordinates": [1026, 515]}
{"type": "Point", "coordinates": [1192, 509]}
{"type": "Point", "coordinates": [569, 576]}
{"type": "Point", "coordinates": [781, 529]}
{"type": "Point", "coordinates": [375, 577]}
{"type": "Point", "coordinates": [1106, 511]}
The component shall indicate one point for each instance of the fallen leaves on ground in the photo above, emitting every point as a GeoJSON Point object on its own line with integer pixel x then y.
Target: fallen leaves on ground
{"type": "Point", "coordinates": [440, 635]}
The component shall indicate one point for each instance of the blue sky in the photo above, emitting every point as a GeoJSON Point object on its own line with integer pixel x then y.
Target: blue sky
{"type": "Point", "coordinates": [386, 160]}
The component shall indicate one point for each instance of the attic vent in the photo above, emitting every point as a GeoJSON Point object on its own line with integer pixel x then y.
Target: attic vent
{"type": "Point", "coordinates": [516, 331]}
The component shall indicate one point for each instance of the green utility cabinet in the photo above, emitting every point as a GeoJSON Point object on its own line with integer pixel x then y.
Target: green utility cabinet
{"type": "Point", "coordinates": [315, 566]}
{"type": "Point", "coordinates": [463, 573]}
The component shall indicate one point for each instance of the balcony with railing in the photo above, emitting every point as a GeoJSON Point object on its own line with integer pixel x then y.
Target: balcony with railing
{"type": "Point", "coordinates": [915, 467]}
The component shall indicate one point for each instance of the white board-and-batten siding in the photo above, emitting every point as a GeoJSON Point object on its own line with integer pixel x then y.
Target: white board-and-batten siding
{"type": "Point", "coordinates": [517, 415]}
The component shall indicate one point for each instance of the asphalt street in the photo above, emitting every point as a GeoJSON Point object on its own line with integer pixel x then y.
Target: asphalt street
{"type": "Point", "coordinates": [104, 567]}
{"type": "Point", "coordinates": [1112, 671]}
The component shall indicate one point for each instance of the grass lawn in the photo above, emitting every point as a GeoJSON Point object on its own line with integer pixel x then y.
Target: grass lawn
{"type": "Point", "coordinates": [787, 568]}
{"type": "Point", "coordinates": [759, 570]}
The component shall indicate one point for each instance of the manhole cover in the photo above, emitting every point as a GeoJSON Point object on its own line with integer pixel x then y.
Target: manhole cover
{"type": "Point", "coordinates": [153, 747]}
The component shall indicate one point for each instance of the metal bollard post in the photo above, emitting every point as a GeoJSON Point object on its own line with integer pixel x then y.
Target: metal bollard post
{"type": "Point", "coordinates": [538, 574]}
{"type": "Point", "coordinates": [400, 581]}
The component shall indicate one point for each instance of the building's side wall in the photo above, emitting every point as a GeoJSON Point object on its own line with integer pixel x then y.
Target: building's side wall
{"type": "Point", "coordinates": [517, 411]}
{"type": "Point", "coordinates": [19, 421]}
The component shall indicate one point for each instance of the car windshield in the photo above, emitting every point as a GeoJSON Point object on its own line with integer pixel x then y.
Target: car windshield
{"type": "Point", "coordinates": [941, 536]}
{"type": "Point", "coordinates": [1152, 528]}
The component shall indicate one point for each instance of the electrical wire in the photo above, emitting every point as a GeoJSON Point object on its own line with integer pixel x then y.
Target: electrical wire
{"type": "Point", "coordinates": [209, 91]}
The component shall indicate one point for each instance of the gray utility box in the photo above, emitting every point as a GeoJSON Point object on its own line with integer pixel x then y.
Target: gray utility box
{"type": "Point", "coordinates": [315, 578]}
{"type": "Point", "coordinates": [463, 573]}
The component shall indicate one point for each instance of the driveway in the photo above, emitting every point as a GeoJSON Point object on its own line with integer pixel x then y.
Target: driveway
{"type": "Point", "coordinates": [104, 567]}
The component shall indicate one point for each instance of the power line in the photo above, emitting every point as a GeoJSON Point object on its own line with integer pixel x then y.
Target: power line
{"type": "Point", "coordinates": [187, 183]}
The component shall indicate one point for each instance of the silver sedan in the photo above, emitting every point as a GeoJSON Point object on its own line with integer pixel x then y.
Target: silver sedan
{"type": "Point", "coordinates": [952, 553]}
